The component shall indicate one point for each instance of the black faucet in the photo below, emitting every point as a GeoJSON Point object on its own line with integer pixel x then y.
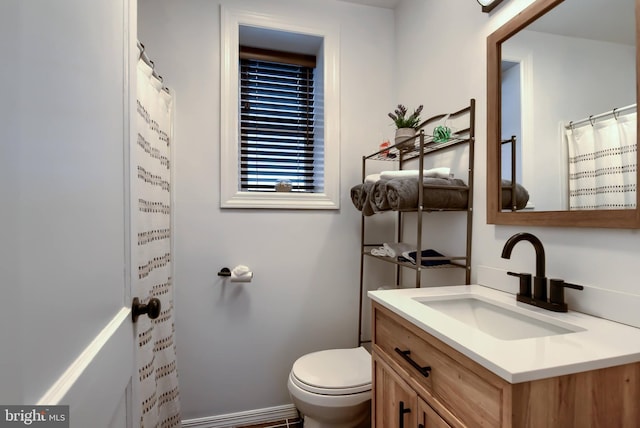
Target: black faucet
{"type": "Point", "coordinates": [539, 297]}
{"type": "Point", "coordinates": [539, 281]}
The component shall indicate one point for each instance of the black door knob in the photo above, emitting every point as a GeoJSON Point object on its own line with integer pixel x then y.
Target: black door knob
{"type": "Point", "coordinates": [152, 309]}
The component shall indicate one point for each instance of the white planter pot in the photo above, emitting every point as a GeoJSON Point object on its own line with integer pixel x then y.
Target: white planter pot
{"type": "Point", "coordinates": [403, 134]}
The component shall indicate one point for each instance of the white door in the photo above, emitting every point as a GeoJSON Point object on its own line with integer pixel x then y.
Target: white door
{"type": "Point", "coordinates": [66, 334]}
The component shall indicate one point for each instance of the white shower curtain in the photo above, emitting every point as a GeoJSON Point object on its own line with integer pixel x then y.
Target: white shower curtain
{"type": "Point", "coordinates": [156, 350]}
{"type": "Point", "coordinates": [602, 164]}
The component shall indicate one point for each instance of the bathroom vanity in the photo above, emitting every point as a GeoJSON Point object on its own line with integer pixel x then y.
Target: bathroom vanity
{"type": "Point", "coordinates": [470, 356]}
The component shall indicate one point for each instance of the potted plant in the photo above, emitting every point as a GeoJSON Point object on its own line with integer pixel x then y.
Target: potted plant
{"type": "Point", "coordinates": [406, 126]}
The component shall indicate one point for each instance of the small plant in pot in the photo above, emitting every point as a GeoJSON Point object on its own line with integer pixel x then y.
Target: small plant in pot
{"type": "Point", "coordinates": [406, 125]}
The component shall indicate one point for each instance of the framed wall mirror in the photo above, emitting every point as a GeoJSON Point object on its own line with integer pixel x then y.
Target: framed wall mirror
{"type": "Point", "coordinates": [562, 86]}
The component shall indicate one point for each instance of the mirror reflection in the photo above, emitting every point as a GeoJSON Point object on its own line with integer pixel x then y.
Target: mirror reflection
{"type": "Point", "coordinates": [568, 113]}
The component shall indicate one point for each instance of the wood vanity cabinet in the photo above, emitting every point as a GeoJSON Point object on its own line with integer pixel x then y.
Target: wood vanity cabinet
{"type": "Point", "coordinates": [399, 406]}
{"type": "Point", "coordinates": [455, 391]}
{"type": "Point", "coordinates": [396, 402]}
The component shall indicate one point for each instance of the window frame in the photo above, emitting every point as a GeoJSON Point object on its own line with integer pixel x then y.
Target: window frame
{"type": "Point", "coordinates": [328, 67]}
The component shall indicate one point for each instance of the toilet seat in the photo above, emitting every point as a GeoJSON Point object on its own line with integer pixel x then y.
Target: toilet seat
{"type": "Point", "coordinates": [334, 372]}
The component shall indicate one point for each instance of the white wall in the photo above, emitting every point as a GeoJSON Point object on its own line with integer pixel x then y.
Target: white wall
{"type": "Point", "coordinates": [511, 116]}
{"type": "Point", "coordinates": [10, 369]}
{"type": "Point", "coordinates": [237, 342]}
{"type": "Point", "coordinates": [452, 34]}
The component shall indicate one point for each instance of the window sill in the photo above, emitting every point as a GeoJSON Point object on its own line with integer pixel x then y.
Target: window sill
{"type": "Point", "coordinates": [281, 200]}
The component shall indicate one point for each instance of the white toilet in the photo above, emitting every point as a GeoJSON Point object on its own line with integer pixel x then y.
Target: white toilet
{"type": "Point", "coordinates": [332, 388]}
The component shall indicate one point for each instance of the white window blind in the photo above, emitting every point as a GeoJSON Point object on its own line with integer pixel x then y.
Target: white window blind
{"type": "Point", "coordinates": [277, 123]}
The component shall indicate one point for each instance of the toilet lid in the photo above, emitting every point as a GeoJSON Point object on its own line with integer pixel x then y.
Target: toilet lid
{"type": "Point", "coordinates": [334, 371]}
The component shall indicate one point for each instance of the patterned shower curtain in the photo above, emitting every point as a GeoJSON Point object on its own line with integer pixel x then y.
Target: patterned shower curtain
{"type": "Point", "coordinates": [602, 164]}
{"type": "Point", "coordinates": [156, 350]}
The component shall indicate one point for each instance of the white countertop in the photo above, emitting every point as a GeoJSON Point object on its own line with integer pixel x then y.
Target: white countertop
{"type": "Point", "coordinates": [601, 343]}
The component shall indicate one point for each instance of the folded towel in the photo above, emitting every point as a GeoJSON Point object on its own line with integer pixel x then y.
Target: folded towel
{"type": "Point", "coordinates": [372, 178]}
{"type": "Point", "coordinates": [402, 193]}
{"type": "Point", "coordinates": [442, 172]}
{"type": "Point", "coordinates": [395, 249]}
{"type": "Point", "coordinates": [380, 251]}
{"type": "Point", "coordinates": [392, 250]}
{"type": "Point", "coordinates": [410, 256]}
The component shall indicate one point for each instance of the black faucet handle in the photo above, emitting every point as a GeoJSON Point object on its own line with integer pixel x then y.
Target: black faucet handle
{"type": "Point", "coordinates": [574, 286]}
{"type": "Point", "coordinates": [556, 291]}
{"type": "Point", "coordinates": [525, 283]}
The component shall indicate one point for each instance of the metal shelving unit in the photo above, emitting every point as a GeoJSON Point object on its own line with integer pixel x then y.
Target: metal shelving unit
{"type": "Point", "coordinates": [425, 146]}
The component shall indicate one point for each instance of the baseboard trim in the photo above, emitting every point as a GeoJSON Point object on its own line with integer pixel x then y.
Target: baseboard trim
{"type": "Point", "coordinates": [230, 420]}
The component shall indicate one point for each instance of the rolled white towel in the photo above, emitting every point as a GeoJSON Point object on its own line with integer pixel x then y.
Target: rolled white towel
{"type": "Point", "coordinates": [441, 172]}
{"type": "Point", "coordinates": [372, 178]}
{"type": "Point", "coordinates": [380, 252]}
{"type": "Point", "coordinates": [395, 249]}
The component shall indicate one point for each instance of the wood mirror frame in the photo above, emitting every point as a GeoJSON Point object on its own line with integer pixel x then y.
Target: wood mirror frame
{"type": "Point", "coordinates": [621, 219]}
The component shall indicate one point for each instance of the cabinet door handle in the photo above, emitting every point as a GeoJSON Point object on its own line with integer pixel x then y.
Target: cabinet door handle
{"type": "Point", "coordinates": [420, 426]}
{"type": "Point", "coordinates": [424, 371]}
{"type": "Point", "coordinates": [403, 411]}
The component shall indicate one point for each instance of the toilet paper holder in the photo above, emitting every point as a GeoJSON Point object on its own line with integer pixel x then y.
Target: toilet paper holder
{"type": "Point", "coordinates": [239, 273]}
{"type": "Point", "coordinates": [224, 272]}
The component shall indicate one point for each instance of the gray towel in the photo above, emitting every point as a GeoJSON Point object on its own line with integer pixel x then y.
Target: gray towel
{"type": "Point", "coordinates": [367, 189]}
{"type": "Point", "coordinates": [402, 193]}
{"type": "Point", "coordinates": [522, 196]}
{"type": "Point", "coordinates": [379, 200]}
{"type": "Point", "coordinates": [357, 196]}
{"type": "Point", "coordinates": [361, 198]}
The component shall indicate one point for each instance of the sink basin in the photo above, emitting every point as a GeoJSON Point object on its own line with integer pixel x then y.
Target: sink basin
{"type": "Point", "coordinates": [495, 319]}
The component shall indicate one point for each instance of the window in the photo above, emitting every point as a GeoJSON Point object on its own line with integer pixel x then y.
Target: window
{"type": "Point", "coordinates": [277, 143]}
{"type": "Point", "coordinates": [263, 139]}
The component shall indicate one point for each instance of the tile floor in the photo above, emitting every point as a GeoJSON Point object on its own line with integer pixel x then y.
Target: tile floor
{"type": "Point", "coordinates": [288, 423]}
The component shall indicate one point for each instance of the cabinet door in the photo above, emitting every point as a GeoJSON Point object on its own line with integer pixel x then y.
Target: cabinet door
{"type": "Point", "coordinates": [428, 418]}
{"type": "Point", "coordinates": [395, 404]}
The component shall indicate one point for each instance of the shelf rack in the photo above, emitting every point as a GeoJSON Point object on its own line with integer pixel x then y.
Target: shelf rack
{"type": "Point", "coordinates": [425, 146]}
